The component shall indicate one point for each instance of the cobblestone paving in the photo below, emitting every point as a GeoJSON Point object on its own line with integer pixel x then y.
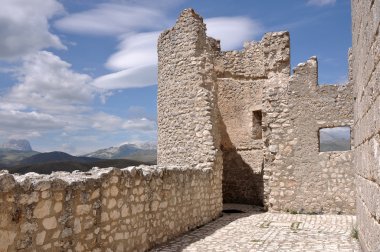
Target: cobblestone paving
{"type": "Point", "coordinates": [258, 231]}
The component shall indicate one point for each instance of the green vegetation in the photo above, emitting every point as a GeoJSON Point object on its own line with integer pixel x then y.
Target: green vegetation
{"type": "Point", "coordinates": [355, 233]}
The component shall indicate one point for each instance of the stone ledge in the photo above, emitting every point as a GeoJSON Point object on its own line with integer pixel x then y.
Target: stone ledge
{"type": "Point", "coordinates": [59, 180]}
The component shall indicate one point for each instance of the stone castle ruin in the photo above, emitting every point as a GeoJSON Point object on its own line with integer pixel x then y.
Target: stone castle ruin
{"type": "Point", "coordinates": [264, 123]}
{"type": "Point", "coordinates": [232, 127]}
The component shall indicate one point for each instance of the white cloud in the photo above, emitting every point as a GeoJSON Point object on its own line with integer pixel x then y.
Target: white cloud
{"type": "Point", "coordinates": [136, 50]}
{"type": "Point", "coordinates": [136, 63]}
{"type": "Point", "coordinates": [142, 124]}
{"type": "Point", "coordinates": [24, 27]}
{"type": "Point", "coordinates": [130, 78]}
{"type": "Point", "coordinates": [106, 122]}
{"type": "Point", "coordinates": [47, 83]}
{"type": "Point", "coordinates": [232, 31]}
{"type": "Point", "coordinates": [15, 121]}
{"type": "Point", "coordinates": [48, 95]}
{"type": "Point", "coordinates": [321, 2]}
{"type": "Point", "coordinates": [112, 19]}
{"type": "Point", "coordinates": [12, 106]}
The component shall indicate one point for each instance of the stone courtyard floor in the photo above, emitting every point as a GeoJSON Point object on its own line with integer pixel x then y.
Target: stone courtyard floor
{"type": "Point", "coordinates": [261, 231]}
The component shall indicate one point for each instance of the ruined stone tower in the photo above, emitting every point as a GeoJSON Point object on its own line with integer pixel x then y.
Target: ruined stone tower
{"type": "Point", "coordinates": [263, 120]}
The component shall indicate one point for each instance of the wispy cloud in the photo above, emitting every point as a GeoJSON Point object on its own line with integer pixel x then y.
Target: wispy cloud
{"type": "Point", "coordinates": [24, 27]}
{"type": "Point", "coordinates": [321, 2]}
{"type": "Point", "coordinates": [136, 50]}
{"type": "Point", "coordinates": [136, 63]}
{"type": "Point", "coordinates": [233, 31]}
{"type": "Point", "coordinates": [133, 77]}
{"type": "Point", "coordinates": [116, 19]}
{"type": "Point", "coordinates": [138, 25]}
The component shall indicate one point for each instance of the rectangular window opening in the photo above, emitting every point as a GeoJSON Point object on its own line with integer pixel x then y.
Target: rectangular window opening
{"type": "Point", "coordinates": [257, 129]}
{"type": "Point", "coordinates": [335, 139]}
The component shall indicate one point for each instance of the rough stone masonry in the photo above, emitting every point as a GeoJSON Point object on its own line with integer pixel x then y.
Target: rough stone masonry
{"type": "Point", "coordinates": [365, 75]}
{"type": "Point", "coordinates": [232, 126]}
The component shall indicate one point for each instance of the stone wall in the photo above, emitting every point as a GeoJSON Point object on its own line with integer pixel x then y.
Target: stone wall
{"type": "Point", "coordinates": [188, 130]}
{"type": "Point", "coordinates": [366, 78]}
{"type": "Point", "coordinates": [302, 178]}
{"type": "Point", "coordinates": [281, 166]}
{"type": "Point", "coordinates": [241, 76]}
{"type": "Point", "coordinates": [105, 209]}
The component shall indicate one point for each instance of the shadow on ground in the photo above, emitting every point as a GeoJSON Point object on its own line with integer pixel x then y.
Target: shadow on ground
{"type": "Point", "coordinates": [231, 213]}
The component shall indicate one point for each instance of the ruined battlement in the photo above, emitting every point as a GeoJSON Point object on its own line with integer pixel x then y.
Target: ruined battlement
{"type": "Point", "coordinates": [257, 59]}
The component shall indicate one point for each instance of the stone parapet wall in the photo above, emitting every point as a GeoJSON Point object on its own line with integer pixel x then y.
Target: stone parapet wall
{"type": "Point", "coordinates": [131, 209]}
{"type": "Point", "coordinates": [365, 74]}
{"type": "Point", "coordinates": [302, 179]}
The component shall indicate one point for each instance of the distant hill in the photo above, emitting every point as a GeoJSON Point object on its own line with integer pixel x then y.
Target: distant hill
{"type": "Point", "coordinates": [140, 152]}
{"type": "Point", "coordinates": [11, 157]}
{"type": "Point", "coordinates": [24, 160]}
{"type": "Point", "coordinates": [69, 166]}
{"type": "Point", "coordinates": [55, 156]}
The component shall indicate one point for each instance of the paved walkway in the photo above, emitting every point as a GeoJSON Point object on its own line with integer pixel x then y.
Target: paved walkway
{"type": "Point", "coordinates": [258, 231]}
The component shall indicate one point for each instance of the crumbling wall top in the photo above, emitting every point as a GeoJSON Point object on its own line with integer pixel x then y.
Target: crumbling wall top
{"type": "Point", "coordinates": [257, 59]}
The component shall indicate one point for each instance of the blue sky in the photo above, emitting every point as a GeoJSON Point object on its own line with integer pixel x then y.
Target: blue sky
{"type": "Point", "coordinates": [79, 75]}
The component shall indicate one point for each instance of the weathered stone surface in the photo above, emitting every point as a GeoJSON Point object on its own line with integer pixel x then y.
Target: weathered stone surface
{"type": "Point", "coordinates": [7, 239]}
{"type": "Point", "coordinates": [40, 238]}
{"type": "Point", "coordinates": [300, 178]}
{"type": "Point", "coordinates": [365, 75]}
{"type": "Point", "coordinates": [183, 198]}
{"type": "Point", "coordinates": [50, 223]}
{"type": "Point", "coordinates": [42, 209]}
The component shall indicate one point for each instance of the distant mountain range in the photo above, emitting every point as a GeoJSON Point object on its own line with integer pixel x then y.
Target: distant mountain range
{"type": "Point", "coordinates": [18, 157]}
{"type": "Point", "coordinates": [146, 152]}
{"type": "Point", "coordinates": [55, 156]}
